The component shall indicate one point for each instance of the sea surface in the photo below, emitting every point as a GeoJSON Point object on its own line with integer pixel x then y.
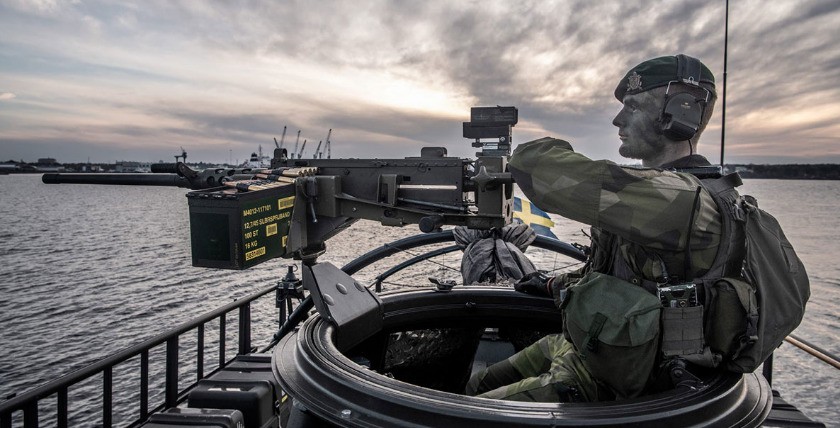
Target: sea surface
{"type": "Point", "coordinates": [88, 270]}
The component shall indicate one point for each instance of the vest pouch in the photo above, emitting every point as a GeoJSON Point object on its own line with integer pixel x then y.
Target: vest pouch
{"type": "Point", "coordinates": [731, 316]}
{"type": "Point", "coordinates": [614, 327]}
{"type": "Point", "coordinates": [682, 331]}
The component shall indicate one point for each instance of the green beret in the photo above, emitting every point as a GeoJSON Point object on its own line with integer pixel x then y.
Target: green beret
{"type": "Point", "coordinates": [654, 73]}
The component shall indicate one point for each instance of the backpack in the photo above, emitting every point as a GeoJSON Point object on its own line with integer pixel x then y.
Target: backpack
{"type": "Point", "coordinates": [747, 313]}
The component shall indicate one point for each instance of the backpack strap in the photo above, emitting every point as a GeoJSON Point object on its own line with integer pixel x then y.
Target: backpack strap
{"type": "Point", "coordinates": [729, 204]}
{"type": "Point", "coordinates": [590, 342]}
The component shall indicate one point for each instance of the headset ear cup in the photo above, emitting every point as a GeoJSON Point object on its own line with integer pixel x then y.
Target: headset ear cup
{"type": "Point", "coordinates": [681, 116]}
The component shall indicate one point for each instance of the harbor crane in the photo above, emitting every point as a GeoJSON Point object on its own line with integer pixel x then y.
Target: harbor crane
{"type": "Point", "coordinates": [282, 137]}
{"type": "Point", "coordinates": [300, 153]}
{"type": "Point", "coordinates": [327, 145]}
{"type": "Point", "coordinates": [296, 144]}
{"type": "Point", "coordinates": [182, 156]}
{"type": "Point", "coordinates": [318, 154]}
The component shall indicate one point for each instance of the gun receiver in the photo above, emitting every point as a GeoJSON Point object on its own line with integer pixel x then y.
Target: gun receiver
{"type": "Point", "coordinates": [240, 217]}
{"type": "Point", "coordinates": [430, 190]}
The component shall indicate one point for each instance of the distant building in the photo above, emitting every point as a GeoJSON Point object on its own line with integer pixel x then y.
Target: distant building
{"type": "Point", "coordinates": [48, 165]}
{"type": "Point", "coordinates": [91, 168]}
{"type": "Point", "coordinates": [130, 166]}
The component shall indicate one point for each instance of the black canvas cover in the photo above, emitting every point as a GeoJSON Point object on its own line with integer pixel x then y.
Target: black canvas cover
{"type": "Point", "coordinates": [495, 255]}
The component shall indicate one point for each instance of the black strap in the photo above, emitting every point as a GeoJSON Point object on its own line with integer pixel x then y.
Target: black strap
{"type": "Point", "coordinates": [687, 265]}
{"type": "Point", "coordinates": [688, 69]}
{"type": "Point", "coordinates": [716, 188]}
{"type": "Point", "coordinates": [590, 342]}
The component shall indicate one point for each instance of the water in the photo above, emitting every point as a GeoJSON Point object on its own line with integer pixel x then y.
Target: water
{"type": "Point", "coordinates": [87, 270]}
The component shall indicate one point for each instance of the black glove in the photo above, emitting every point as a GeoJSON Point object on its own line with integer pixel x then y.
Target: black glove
{"type": "Point", "coordinates": [534, 283]}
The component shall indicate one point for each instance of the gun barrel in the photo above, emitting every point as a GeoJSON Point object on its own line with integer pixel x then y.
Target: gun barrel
{"type": "Point", "coordinates": [171, 180]}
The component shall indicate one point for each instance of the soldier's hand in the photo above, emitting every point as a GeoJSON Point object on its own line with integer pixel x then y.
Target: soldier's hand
{"type": "Point", "coordinates": [534, 283]}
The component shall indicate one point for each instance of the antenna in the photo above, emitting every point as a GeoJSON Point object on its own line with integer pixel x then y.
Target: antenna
{"type": "Point", "coordinates": [723, 98]}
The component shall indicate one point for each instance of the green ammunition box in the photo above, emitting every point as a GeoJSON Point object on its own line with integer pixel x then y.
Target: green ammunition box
{"type": "Point", "coordinates": [237, 230]}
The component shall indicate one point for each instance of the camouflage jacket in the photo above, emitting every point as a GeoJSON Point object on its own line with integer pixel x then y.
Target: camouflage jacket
{"type": "Point", "coordinates": [642, 217]}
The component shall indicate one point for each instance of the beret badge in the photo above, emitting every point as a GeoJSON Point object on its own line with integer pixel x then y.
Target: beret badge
{"type": "Point", "coordinates": [634, 82]}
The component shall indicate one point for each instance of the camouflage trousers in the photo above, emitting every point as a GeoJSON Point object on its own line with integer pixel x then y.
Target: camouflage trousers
{"type": "Point", "coordinates": [547, 371]}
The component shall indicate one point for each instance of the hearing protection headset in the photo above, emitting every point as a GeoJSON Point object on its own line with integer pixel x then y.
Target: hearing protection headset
{"type": "Point", "coordinates": [683, 111]}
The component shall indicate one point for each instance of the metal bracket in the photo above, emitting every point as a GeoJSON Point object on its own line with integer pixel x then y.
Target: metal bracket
{"type": "Point", "coordinates": [354, 310]}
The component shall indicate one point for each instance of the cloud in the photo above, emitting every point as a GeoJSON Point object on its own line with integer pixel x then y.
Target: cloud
{"type": "Point", "coordinates": [7, 95]}
{"type": "Point", "coordinates": [39, 7]}
{"type": "Point", "coordinates": [214, 74]}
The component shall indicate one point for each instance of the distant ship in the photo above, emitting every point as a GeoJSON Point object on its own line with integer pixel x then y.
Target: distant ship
{"type": "Point", "coordinates": [258, 160]}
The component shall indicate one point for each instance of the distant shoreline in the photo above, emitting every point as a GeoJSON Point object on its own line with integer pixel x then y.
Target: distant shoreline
{"type": "Point", "coordinates": [788, 171]}
{"type": "Point", "coordinates": [747, 171]}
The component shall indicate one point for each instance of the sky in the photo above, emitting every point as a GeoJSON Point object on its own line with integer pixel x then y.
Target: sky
{"type": "Point", "coordinates": [137, 80]}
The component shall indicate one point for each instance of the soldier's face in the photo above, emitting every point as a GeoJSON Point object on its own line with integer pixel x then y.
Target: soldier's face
{"type": "Point", "coordinates": [638, 125]}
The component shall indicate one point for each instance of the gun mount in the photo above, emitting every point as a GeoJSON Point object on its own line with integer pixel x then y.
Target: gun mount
{"type": "Point", "coordinates": [240, 217]}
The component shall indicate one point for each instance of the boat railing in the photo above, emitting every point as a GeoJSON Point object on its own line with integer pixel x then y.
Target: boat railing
{"type": "Point", "coordinates": [28, 402]}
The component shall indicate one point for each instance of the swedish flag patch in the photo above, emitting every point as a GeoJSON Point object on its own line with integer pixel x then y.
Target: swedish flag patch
{"type": "Point", "coordinates": [531, 215]}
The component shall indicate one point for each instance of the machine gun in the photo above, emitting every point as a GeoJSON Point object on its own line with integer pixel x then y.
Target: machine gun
{"type": "Point", "coordinates": [240, 217]}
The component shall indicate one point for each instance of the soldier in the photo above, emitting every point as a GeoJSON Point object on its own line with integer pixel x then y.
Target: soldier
{"type": "Point", "coordinates": [650, 226]}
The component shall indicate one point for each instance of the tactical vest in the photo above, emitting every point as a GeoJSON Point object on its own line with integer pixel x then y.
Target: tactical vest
{"type": "Point", "coordinates": [733, 313]}
{"type": "Point", "coordinates": [613, 312]}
